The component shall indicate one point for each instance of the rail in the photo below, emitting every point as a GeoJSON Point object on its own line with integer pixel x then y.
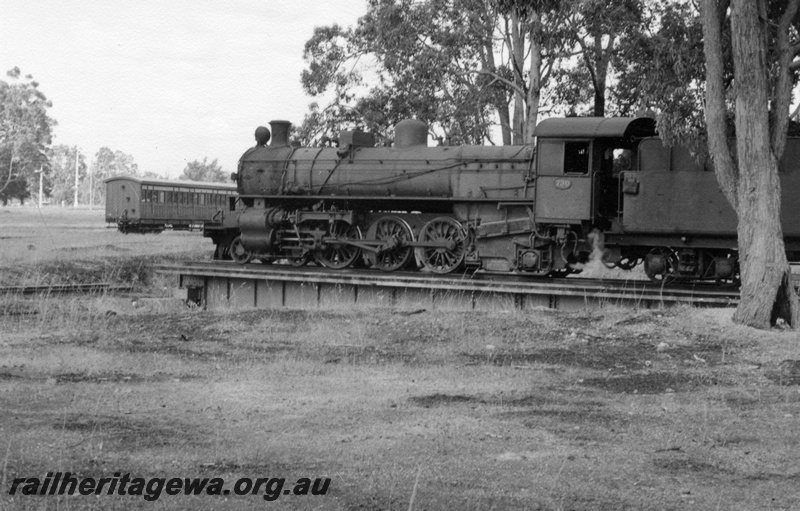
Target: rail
{"type": "Point", "coordinates": [65, 288]}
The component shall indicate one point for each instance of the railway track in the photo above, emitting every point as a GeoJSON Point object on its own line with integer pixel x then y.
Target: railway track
{"type": "Point", "coordinates": [64, 289]}
{"type": "Point", "coordinates": [224, 284]}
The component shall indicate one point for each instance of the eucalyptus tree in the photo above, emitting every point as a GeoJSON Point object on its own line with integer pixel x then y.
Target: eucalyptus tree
{"type": "Point", "coordinates": [720, 79]}
{"type": "Point", "coordinates": [210, 171]}
{"type": "Point", "coordinates": [598, 32]}
{"type": "Point", "coordinates": [108, 163]}
{"type": "Point", "coordinates": [60, 181]}
{"type": "Point", "coordinates": [451, 63]}
{"type": "Point", "coordinates": [25, 131]}
{"type": "Point", "coordinates": [763, 40]}
{"type": "Point", "coordinates": [662, 68]}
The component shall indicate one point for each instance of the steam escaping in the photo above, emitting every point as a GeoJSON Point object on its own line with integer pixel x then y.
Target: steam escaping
{"type": "Point", "coordinates": [596, 267]}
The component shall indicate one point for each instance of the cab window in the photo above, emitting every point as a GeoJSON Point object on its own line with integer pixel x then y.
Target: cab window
{"type": "Point", "coordinates": [576, 157]}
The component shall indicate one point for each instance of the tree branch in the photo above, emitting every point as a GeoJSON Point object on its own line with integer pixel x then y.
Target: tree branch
{"type": "Point", "coordinates": [783, 88]}
{"type": "Point", "coordinates": [497, 77]}
{"type": "Point", "coordinates": [715, 111]}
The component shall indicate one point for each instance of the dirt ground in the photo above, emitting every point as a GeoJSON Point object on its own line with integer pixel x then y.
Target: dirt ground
{"type": "Point", "coordinates": [426, 410]}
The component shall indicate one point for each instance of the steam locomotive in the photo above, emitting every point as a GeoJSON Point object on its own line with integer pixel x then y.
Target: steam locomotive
{"type": "Point", "coordinates": [591, 186]}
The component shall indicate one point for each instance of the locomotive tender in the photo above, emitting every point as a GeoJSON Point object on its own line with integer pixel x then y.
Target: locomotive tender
{"type": "Point", "coordinates": [591, 185]}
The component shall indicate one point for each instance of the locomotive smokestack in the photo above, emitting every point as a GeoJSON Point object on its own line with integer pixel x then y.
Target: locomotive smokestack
{"type": "Point", "coordinates": [280, 133]}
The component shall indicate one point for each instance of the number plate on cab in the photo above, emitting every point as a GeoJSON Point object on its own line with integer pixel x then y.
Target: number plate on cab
{"type": "Point", "coordinates": [563, 184]}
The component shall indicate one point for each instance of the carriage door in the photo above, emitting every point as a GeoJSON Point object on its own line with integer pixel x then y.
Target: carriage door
{"type": "Point", "coordinates": [564, 180]}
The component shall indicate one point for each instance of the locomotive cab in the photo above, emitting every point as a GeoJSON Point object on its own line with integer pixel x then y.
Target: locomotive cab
{"type": "Point", "coordinates": [580, 167]}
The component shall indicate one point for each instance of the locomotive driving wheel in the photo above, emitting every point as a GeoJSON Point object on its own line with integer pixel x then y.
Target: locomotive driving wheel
{"type": "Point", "coordinates": [661, 265]}
{"type": "Point", "coordinates": [396, 234]}
{"type": "Point", "coordinates": [448, 232]}
{"type": "Point", "coordinates": [238, 253]}
{"type": "Point", "coordinates": [339, 255]}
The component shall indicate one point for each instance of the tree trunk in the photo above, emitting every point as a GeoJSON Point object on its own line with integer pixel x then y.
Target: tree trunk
{"type": "Point", "coordinates": [600, 99]}
{"type": "Point", "coordinates": [500, 105]}
{"type": "Point", "coordinates": [505, 122]}
{"type": "Point", "coordinates": [535, 76]}
{"type": "Point", "coordinates": [766, 293]}
{"type": "Point", "coordinates": [518, 63]}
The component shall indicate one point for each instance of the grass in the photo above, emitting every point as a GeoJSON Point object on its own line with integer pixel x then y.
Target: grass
{"type": "Point", "coordinates": [63, 245]}
{"type": "Point", "coordinates": [609, 408]}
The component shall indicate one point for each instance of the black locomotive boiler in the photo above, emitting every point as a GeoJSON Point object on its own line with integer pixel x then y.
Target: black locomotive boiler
{"type": "Point", "coordinates": [535, 210]}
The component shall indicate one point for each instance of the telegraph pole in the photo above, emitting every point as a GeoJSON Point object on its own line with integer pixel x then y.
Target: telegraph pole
{"type": "Point", "coordinates": [77, 154]}
{"type": "Point", "coordinates": [91, 190]}
{"type": "Point", "coordinates": [41, 173]}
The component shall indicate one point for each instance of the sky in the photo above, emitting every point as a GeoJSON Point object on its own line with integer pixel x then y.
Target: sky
{"type": "Point", "coordinates": [166, 81]}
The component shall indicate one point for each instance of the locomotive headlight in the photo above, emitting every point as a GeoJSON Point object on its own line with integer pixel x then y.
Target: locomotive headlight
{"type": "Point", "coordinates": [529, 260]}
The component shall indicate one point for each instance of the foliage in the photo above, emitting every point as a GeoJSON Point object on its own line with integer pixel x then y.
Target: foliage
{"type": "Point", "coordinates": [60, 181]}
{"type": "Point", "coordinates": [662, 69]}
{"type": "Point", "coordinates": [403, 44]}
{"type": "Point", "coordinates": [25, 133]}
{"type": "Point", "coordinates": [204, 171]}
{"type": "Point", "coordinates": [599, 33]}
{"type": "Point", "coordinates": [451, 63]}
{"type": "Point", "coordinates": [17, 188]}
{"type": "Point", "coordinates": [106, 164]}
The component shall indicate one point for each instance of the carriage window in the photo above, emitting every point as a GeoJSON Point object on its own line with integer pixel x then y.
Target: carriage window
{"type": "Point", "coordinates": [576, 157]}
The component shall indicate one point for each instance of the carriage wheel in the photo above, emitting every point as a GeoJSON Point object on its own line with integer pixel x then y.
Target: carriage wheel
{"type": "Point", "coordinates": [670, 270]}
{"type": "Point", "coordinates": [339, 255]}
{"type": "Point", "coordinates": [443, 259]}
{"type": "Point", "coordinates": [238, 253]}
{"type": "Point", "coordinates": [397, 233]}
{"type": "Point", "coordinates": [734, 280]}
